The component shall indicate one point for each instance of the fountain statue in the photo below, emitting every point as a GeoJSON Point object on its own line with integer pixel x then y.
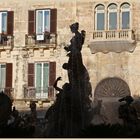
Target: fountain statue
{"type": "Point", "coordinates": [71, 112]}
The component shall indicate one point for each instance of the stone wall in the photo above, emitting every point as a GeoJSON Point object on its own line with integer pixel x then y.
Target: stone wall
{"type": "Point", "coordinates": [124, 65]}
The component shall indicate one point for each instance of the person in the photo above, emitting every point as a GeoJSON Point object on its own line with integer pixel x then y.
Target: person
{"type": "Point", "coordinates": [33, 111]}
{"type": "Point", "coordinates": [15, 112]}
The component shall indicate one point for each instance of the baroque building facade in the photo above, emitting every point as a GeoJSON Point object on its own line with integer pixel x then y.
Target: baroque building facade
{"type": "Point", "coordinates": [34, 33]}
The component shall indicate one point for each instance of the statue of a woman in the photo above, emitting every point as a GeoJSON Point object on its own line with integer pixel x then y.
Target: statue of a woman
{"type": "Point", "coordinates": [77, 39]}
{"type": "Point", "coordinates": [75, 64]}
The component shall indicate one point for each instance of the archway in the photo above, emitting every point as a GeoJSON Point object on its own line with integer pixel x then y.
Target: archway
{"type": "Point", "coordinates": [109, 90]}
{"type": "Point", "coordinates": [112, 87]}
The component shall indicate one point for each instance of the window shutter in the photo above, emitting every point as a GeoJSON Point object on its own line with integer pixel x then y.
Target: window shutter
{"type": "Point", "coordinates": [9, 70]}
{"type": "Point", "coordinates": [31, 22]}
{"type": "Point", "coordinates": [31, 75]}
{"type": "Point", "coordinates": [10, 22]}
{"type": "Point", "coordinates": [52, 77]}
{"type": "Point", "coordinates": [53, 20]}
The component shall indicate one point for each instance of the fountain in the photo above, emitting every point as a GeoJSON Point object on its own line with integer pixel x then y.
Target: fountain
{"type": "Point", "coordinates": [71, 112]}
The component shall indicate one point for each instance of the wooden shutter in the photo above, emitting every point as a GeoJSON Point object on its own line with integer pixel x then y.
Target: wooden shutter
{"type": "Point", "coordinates": [31, 75]}
{"type": "Point", "coordinates": [53, 21]}
{"type": "Point", "coordinates": [9, 70]}
{"type": "Point", "coordinates": [10, 22]}
{"type": "Point", "coordinates": [31, 22]}
{"type": "Point", "coordinates": [52, 77]}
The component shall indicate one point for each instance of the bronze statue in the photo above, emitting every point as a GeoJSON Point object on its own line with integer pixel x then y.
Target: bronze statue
{"type": "Point", "coordinates": [75, 65]}
{"type": "Point", "coordinates": [71, 111]}
{"type": "Point", "coordinates": [127, 112]}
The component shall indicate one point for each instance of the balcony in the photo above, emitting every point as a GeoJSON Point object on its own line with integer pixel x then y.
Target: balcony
{"type": "Point", "coordinates": [32, 93]}
{"type": "Point", "coordinates": [8, 91]}
{"type": "Point", "coordinates": [47, 40]}
{"type": "Point", "coordinates": [113, 35]}
{"type": "Point", "coordinates": [113, 41]}
{"type": "Point", "coordinates": [6, 42]}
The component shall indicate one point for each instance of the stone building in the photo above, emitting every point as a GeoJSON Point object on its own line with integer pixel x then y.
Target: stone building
{"type": "Point", "coordinates": [34, 33]}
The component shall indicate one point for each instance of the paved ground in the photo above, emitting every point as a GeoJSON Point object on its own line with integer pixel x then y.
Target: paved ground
{"type": "Point", "coordinates": [40, 112]}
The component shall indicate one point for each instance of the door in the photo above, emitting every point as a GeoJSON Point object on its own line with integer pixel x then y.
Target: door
{"type": "Point", "coordinates": [2, 76]}
{"type": "Point", "coordinates": [41, 79]}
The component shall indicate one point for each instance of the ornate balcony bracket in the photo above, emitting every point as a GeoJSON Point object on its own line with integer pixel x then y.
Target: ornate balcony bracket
{"type": "Point", "coordinates": [41, 51]}
{"type": "Point", "coordinates": [51, 52]}
{"type": "Point", "coordinates": [8, 52]}
{"type": "Point", "coordinates": [31, 52]}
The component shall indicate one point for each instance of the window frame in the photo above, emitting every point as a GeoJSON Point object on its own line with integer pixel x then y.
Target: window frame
{"type": "Point", "coordinates": [99, 11]}
{"type": "Point", "coordinates": [108, 16]}
{"type": "Point", "coordinates": [121, 12]}
{"type": "Point", "coordinates": [36, 19]}
{"type": "Point", "coordinates": [1, 21]}
{"type": "Point", "coordinates": [4, 78]}
{"type": "Point", "coordinates": [42, 77]}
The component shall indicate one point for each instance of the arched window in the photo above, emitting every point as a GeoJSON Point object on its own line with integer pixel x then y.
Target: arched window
{"type": "Point", "coordinates": [125, 16]}
{"type": "Point", "coordinates": [100, 17]}
{"type": "Point", "coordinates": [112, 17]}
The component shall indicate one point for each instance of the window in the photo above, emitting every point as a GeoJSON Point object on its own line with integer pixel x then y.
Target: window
{"type": "Point", "coordinates": [112, 17]}
{"type": "Point", "coordinates": [41, 76]}
{"type": "Point", "coordinates": [5, 76]}
{"type": "Point", "coordinates": [100, 17]}
{"type": "Point", "coordinates": [3, 22]}
{"type": "Point", "coordinates": [125, 16]}
{"type": "Point", "coordinates": [42, 21]}
{"type": "Point", "coordinates": [7, 22]}
{"type": "Point", "coordinates": [2, 76]}
{"type": "Point", "coordinates": [42, 79]}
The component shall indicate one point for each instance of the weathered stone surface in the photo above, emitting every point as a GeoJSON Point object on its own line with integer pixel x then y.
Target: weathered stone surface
{"type": "Point", "coordinates": [124, 65]}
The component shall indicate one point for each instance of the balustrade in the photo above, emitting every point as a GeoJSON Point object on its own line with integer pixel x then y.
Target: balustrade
{"type": "Point", "coordinates": [113, 35]}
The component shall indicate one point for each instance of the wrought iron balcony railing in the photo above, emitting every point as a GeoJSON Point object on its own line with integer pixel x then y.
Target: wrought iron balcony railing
{"type": "Point", "coordinates": [113, 35]}
{"type": "Point", "coordinates": [32, 93]}
{"type": "Point", "coordinates": [37, 40]}
{"type": "Point", "coordinates": [6, 41]}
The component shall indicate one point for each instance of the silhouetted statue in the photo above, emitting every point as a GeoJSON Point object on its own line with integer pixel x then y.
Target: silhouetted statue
{"type": "Point", "coordinates": [98, 117]}
{"type": "Point", "coordinates": [129, 115]}
{"type": "Point", "coordinates": [5, 108]}
{"type": "Point", "coordinates": [77, 40]}
{"type": "Point", "coordinates": [71, 111]}
{"type": "Point", "coordinates": [127, 112]}
{"type": "Point", "coordinates": [74, 52]}
{"type": "Point", "coordinates": [65, 87]}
